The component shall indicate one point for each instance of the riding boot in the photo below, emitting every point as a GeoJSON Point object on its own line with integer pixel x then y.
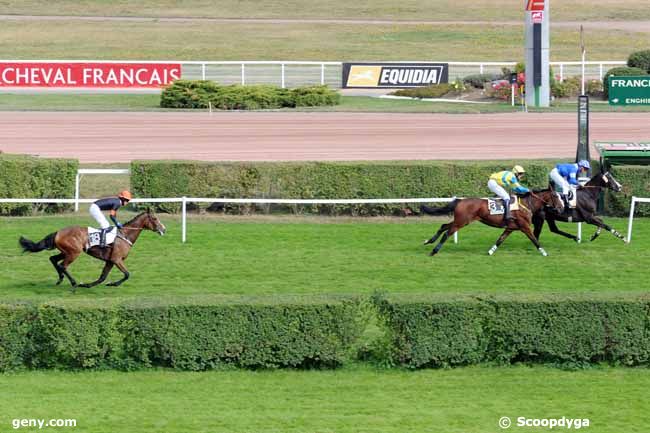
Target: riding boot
{"type": "Point", "coordinates": [565, 200]}
{"type": "Point", "coordinates": [102, 238]}
{"type": "Point", "coordinates": [506, 207]}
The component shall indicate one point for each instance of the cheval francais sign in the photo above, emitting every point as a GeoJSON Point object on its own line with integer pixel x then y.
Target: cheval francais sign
{"type": "Point", "coordinates": [104, 75]}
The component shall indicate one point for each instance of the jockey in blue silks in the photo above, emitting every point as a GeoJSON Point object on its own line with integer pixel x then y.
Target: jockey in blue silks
{"type": "Point", "coordinates": [565, 175]}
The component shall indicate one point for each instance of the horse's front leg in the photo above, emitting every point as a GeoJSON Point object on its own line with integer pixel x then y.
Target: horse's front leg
{"type": "Point", "coordinates": [525, 228]}
{"type": "Point", "coordinates": [499, 241]}
{"type": "Point", "coordinates": [594, 220]}
{"type": "Point", "coordinates": [107, 269]}
{"type": "Point", "coordinates": [121, 267]}
{"type": "Point", "coordinates": [538, 223]}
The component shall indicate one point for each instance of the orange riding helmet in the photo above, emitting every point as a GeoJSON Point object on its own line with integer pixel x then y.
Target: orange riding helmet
{"type": "Point", "coordinates": [125, 195]}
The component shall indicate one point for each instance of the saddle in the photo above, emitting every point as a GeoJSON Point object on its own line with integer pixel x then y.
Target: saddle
{"type": "Point", "coordinates": [94, 237]}
{"type": "Point", "coordinates": [495, 205]}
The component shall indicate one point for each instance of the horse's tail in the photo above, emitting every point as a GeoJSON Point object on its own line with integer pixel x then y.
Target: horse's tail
{"type": "Point", "coordinates": [440, 210]}
{"type": "Point", "coordinates": [46, 243]}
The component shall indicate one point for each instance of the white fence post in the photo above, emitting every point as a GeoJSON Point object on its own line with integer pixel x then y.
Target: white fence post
{"type": "Point", "coordinates": [203, 71]}
{"type": "Point", "coordinates": [184, 220]}
{"type": "Point", "coordinates": [243, 74]}
{"type": "Point", "coordinates": [77, 180]}
{"type": "Point", "coordinates": [579, 232]}
{"type": "Point", "coordinates": [282, 76]}
{"type": "Point", "coordinates": [322, 74]}
{"type": "Point", "coordinates": [631, 218]}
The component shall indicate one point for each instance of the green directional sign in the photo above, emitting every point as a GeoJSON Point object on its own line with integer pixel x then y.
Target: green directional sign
{"type": "Point", "coordinates": [629, 90]}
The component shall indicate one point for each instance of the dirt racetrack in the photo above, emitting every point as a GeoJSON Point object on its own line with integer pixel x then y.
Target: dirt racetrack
{"type": "Point", "coordinates": [121, 137]}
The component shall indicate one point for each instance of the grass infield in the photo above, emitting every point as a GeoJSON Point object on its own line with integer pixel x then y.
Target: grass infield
{"type": "Point", "coordinates": [269, 255]}
{"type": "Point", "coordinates": [356, 399]}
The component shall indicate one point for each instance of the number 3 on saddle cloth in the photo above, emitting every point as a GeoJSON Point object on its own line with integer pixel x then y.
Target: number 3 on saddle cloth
{"type": "Point", "coordinates": [496, 205]}
{"type": "Point", "coordinates": [94, 237]}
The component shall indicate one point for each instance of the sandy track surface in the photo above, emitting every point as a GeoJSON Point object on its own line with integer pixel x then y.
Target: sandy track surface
{"type": "Point", "coordinates": [121, 137]}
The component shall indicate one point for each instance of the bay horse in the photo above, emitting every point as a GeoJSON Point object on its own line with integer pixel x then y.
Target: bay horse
{"type": "Point", "coordinates": [71, 242]}
{"type": "Point", "coordinates": [585, 211]}
{"type": "Point", "coordinates": [468, 210]}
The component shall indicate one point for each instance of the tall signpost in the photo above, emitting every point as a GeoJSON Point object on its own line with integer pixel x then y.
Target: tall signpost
{"type": "Point", "coordinates": [536, 23]}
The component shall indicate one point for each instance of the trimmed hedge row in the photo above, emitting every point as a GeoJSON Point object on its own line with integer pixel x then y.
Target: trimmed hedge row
{"type": "Point", "coordinates": [323, 180]}
{"type": "Point", "coordinates": [30, 177]}
{"type": "Point", "coordinates": [180, 336]}
{"type": "Point", "coordinates": [636, 182]}
{"type": "Point", "coordinates": [200, 94]}
{"type": "Point", "coordinates": [559, 330]}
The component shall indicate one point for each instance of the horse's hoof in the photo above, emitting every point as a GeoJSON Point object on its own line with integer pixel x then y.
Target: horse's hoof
{"type": "Point", "coordinates": [426, 242]}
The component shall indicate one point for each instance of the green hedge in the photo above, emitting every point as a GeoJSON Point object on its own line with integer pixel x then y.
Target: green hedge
{"type": "Point", "coordinates": [640, 59]}
{"type": "Point", "coordinates": [181, 335]}
{"type": "Point", "coordinates": [324, 180]}
{"type": "Point", "coordinates": [558, 330]}
{"type": "Point", "coordinates": [30, 177]}
{"type": "Point", "coordinates": [636, 182]}
{"type": "Point", "coordinates": [200, 94]}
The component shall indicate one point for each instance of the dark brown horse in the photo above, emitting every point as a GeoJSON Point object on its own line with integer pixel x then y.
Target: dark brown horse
{"type": "Point", "coordinates": [585, 210]}
{"type": "Point", "coordinates": [468, 210]}
{"type": "Point", "coordinates": [71, 242]}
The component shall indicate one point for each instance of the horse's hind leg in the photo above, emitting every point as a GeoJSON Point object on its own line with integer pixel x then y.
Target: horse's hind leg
{"type": "Point", "coordinates": [438, 233]}
{"type": "Point", "coordinates": [68, 259]}
{"type": "Point", "coordinates": [598, 222]}
{"type": "Point", "coordinates": [59, 270]}
{"type": "Point", "coordinates": [499, 241]}
{"type": "Point", "coordinates": [453, 228]}
{"type": "Point", "coordinates": [552, 225]}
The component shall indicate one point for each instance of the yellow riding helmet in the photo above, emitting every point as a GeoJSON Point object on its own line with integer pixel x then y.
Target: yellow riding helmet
{"type": "Point", "coordinates": [518, 169]}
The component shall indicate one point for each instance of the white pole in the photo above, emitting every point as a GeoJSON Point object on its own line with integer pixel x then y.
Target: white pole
{"type": "Point", "coordinates": [243, 73]}
{"type": "Point", "coordinates": [630, 219]}
{"type": "Point", "coordinates": [456, 237]}
{"type": "Point", "coordinates": [512, 94]}
{"type": "Point", "coordinates": [283, 75]}
{"type": "Point", "coordinates": [561, 72]}
{"type": "Point", "coordinates": [203, 71]}
{"type": "Point", "coordinates": [322, 74]}
{"type": "Point", "coordinates": [582, 48]}
{"type": "Point", "coordinates": [579, 232]}
{"type": "Point", "coordinates": [76, 192]}
{"type": "Point", "coordinates": [184, 220]}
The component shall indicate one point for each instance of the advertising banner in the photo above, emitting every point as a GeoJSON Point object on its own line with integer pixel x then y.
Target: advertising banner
{"type": "Point", "coordinates": [88, 75]}
{"type": "Point", "coordinates": [393, 75]}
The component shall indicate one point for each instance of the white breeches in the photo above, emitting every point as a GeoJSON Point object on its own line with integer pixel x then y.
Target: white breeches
{"type": "Point", "coordinates": [96, 213]}
{"type": "Point", "coordinates": [560, 182]}
{"type": "Point", "coordinates": [498, 189]}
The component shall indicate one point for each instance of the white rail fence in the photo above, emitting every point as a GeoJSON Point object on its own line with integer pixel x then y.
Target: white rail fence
{"type": "Point", "coordinates": [630, 220]}
{"type": "Point", "coordinates": [185, 200]}
{"type": "Point", "coordinates": [302, 73]}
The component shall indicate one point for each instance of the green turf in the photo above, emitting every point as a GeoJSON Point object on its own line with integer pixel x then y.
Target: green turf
{"type": "Point", "coordinates": [355, 399]}
{"type": "Point", "coordinates": [290, 255]}
{"type": "Point", "coordinates": [367, 9]}
{"type": "Point", "coordinates": [102, 40]}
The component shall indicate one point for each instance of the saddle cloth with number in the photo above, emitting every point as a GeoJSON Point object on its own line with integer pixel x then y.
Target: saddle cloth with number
{"type": "Point", "coordinates": [94, 236]}
{"type": "Point", "coordinates": [496, 205]}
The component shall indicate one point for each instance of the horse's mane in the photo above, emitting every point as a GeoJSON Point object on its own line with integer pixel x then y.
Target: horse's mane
{"type": "Point", "coordinates": [135, 218]}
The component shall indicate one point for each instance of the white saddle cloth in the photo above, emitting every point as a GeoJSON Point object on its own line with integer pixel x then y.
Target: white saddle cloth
{"type": "Point", "coordinates": [94, 236]}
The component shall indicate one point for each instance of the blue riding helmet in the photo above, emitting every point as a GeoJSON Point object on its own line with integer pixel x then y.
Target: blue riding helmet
{"type": "Point", "coordinates": [584, 164]}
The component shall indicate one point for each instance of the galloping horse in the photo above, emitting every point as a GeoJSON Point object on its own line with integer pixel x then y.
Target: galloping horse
{"type": "Point", "coordinates": [71, 242]}
{"type": "Point", "coordinates": [585, 211]}
{"type": "Point", "coordinates": [468, 210]}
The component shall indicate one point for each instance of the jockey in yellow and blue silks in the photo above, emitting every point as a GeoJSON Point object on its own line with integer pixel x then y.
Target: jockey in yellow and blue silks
{"type": "Point", "coordinates": [565, 175]}
{"type": "Point", "coordinates": [507, 179]}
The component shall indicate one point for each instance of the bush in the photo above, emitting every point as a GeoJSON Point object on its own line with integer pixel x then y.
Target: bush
{"type": "Point", "coordinates": [640, 59]}
{"type": "Point", "coordinates": [30, 177]}
{"type": "Point", "coordinates": [184, 336]}
{"type": "Point", "coordinates": [570, 87]}
{"type": "Point", "coordinates": [433, 91]}
{"type": "Point", "coordinates": [560, 330]}
{"type": "Point", "coordinates": [594, 88]}
{"type": "Point", "coordinates": [323, 180]}
{"type": "Point", "coordinates": [200, 94]}
{"type": "Point", "coordinates": [619, 71]}
{"type": "Point", "coordinates": [478, 80]}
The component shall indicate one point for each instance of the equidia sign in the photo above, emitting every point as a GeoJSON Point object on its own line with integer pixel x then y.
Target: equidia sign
{"type": "Point", "coordinates": [104, 75]}
{"type": "Point", "coordinates": [393, 75]}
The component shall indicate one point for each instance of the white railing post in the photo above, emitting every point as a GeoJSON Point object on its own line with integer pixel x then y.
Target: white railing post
{"type": "Point", "coordinates": [282, 76]}
{"type": "Point", "coordinates": [77, 181]}
{"type": "Point", "coordinates": [480, 68]}
{"type": "Point", "coordinates": [630, 219]}
{"type": "Point", "coordinates": [243, 74]}
{"type": "Point", "coordinates": [184, 220]}
{"type": "Point", "coordinates": [203, 71]}
{"type": "Point", "coordinates": [322, 74]}
{"type": "Point", "coordinates": [561, 72]}
{"type": "Point", "coordinates": [579, 232]}
{"type": "Point", "coordinates": [601, 72]}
